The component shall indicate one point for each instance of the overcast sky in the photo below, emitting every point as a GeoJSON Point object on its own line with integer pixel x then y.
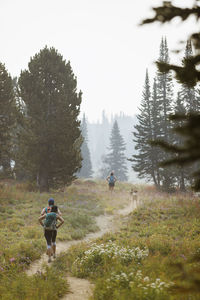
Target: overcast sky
{"type": "Point", "coordinates": [109, 52]}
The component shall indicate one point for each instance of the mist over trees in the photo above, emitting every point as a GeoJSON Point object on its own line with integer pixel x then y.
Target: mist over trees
{"type": "Point", "coordinates": [86, 169]}
{"type": "Point", "coordinates": [41, 133]}
{"type": "Point", "coordinates": [99, 139]}
{"type": "Point", "coordinates": [154, 124]}
{"type": "Point", "coordinates": [48, 145]}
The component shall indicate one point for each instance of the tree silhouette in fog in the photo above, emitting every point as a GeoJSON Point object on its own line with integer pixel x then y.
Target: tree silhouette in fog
{"type": "Point", "coordinates": [115, 160]}
{"type": "Point", "coordinates": [86, 169]}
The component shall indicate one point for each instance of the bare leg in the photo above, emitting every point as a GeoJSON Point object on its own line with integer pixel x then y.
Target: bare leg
{"type": "Point", "coordinates": [49, 254]}
{"type": "Point", "coordinates": [111, 188]}
{"type": "Point", "coordinates": [54, 250]}
{"type": "Point", "coordinates": [53, 244]}
{"type": "Point", "coordinates": [47, 235]}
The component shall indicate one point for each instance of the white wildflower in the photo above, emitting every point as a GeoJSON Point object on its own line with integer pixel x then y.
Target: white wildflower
{"type": "Point", "coordinates": [146, 279]}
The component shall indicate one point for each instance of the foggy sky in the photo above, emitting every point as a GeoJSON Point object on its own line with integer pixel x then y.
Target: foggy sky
{"type": "Point", "coordinates": [109, 52]}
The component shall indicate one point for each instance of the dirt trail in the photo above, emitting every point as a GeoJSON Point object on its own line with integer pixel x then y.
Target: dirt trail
{"type": "Point", "coordinates": [81, 289]}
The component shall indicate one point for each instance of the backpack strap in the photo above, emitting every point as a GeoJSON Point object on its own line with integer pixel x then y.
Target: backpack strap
{"type": "Point", "coordinates": [48, 209]}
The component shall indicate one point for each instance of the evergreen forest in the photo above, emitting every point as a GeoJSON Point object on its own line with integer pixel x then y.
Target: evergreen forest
{"type": "Point", "coordinates": [155, 127]}
{"type": "Point", "coordinates": [45, 142]}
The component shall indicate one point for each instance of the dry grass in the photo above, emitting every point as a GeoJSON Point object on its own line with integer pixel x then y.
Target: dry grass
{"type": "Point", "coordinates": [168, 225]}
{"type": "Point", "coordinates": [22, 238]}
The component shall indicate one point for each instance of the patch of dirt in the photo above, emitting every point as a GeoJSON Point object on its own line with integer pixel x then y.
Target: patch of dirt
{"type": "Point", "coordinates": [81, 289]}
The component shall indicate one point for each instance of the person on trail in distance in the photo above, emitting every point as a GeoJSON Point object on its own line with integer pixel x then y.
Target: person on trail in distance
{"type": "Point", "coordinates": [46, 210]}
{"type": "Point", "coordinates": [50, 229]}
{"type": "Point", "coordinates": [111, 181]}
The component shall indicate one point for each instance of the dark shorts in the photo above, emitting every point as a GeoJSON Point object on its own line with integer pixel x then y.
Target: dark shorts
{"type": "Point", "coordinates": [111, 184]}
{"type": "Point", "coordinates": [50, 236]}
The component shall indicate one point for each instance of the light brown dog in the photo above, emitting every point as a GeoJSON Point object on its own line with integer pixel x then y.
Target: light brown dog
{"type": "Point", "coordinates": [134, 198]}
{"type": "Point", "coordinates": [134, 194]}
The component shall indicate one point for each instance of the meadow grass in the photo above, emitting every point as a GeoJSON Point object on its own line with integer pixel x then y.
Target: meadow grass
{"type": "Point", "coordinates": [22, 239]}
{"type": "Point", "coordinates": [151, 257]}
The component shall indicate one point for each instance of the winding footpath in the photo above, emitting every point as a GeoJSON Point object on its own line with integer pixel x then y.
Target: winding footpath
{"type": "Point", "coordinates": [81, 289]}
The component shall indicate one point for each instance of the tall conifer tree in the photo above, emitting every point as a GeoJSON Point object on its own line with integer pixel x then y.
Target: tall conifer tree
{"type": "Point", "coordinates": [181, 171]}
{"type": "Point", "coordinates": [115, 159]}
{"type": "Point", "coordinates": [187, 103]}
{"type": "Point", "coordinates": [86, 169]}
{"type": "Point", "coordinates": [188, 94]}
{"type": "Point", "coordinates": [156, 153]}
{"type": "Point", "coordinates": [7, 120]}
{"type": "Point", "coordinates": [144, 162]}
{"type": "Point", "coordinates": [165, 101]}
{"type": "Point", "coordinates": [49, 142]}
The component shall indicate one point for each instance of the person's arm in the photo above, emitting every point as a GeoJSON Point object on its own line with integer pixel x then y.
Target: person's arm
{"type": "Point", "coordinates": [43, 212]}
{"type": "Point", "coordinates": [61, 221]}
{"type": "Point", "coordinates": [40, 220]}
{"type": "Point", "coordinates": [108, 178]}
{"type": "Point", "coordinates": [59, 212]}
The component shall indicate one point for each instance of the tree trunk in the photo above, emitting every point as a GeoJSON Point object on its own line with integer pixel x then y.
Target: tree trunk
{"type": "Point", "coordinates": [154, 179]}
{"type": "Point", "coordinates": [7, 172]}
{"type": "Point", "coordinates": [43, 181]}
{"type": "Point", "coordinates": [158, 178]}
{"type": "Point", "coordinates": [182, 182]}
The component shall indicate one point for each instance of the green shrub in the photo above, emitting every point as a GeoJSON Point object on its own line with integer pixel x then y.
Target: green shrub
{"type": "Point", "coordinates": [161, 244]}
{"type": "Point", "coordinates": [98, 257]}
{"type": "Point", "coordinates": [33, 233]}
{"type": "Point", "coordinates": [133, 285]}
{"type": "Point", "coordinates": [47, 285]}
{"type": "Point", "coordinates": [79, 220]}
{"type": "Point", "coordinates": [27, 186]}
{"type": "Point", "coordinates": [78, 234]}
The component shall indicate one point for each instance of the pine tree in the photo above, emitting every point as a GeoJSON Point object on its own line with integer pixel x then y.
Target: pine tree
{"type": "Point", "coordinates": [49, 141]}
{"type": "Point", "coordinates": [115, 159]}
{"type": "Point", "coordinates": [156, 152]}
{"type": "Point", "coordinates": [188, 94]}
{"type": "Point", "coordinates": [165, 92]}
{"type": "Point", "coordinates": [7, 120]}
{"type": "Point", "coordinates": [182, 173]}
{"type": "Point", "coordinates": [165, 100]}
{"type": "Point", "coordinates": [86, 169]}
{"type": "Point", "coordinates": [144, 162]}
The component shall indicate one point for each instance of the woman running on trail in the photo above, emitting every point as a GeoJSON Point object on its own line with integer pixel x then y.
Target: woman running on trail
{"type": "Point", "coordinates": [50, 229]}
{"type": "Point", "coordinates": [111, 181]}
